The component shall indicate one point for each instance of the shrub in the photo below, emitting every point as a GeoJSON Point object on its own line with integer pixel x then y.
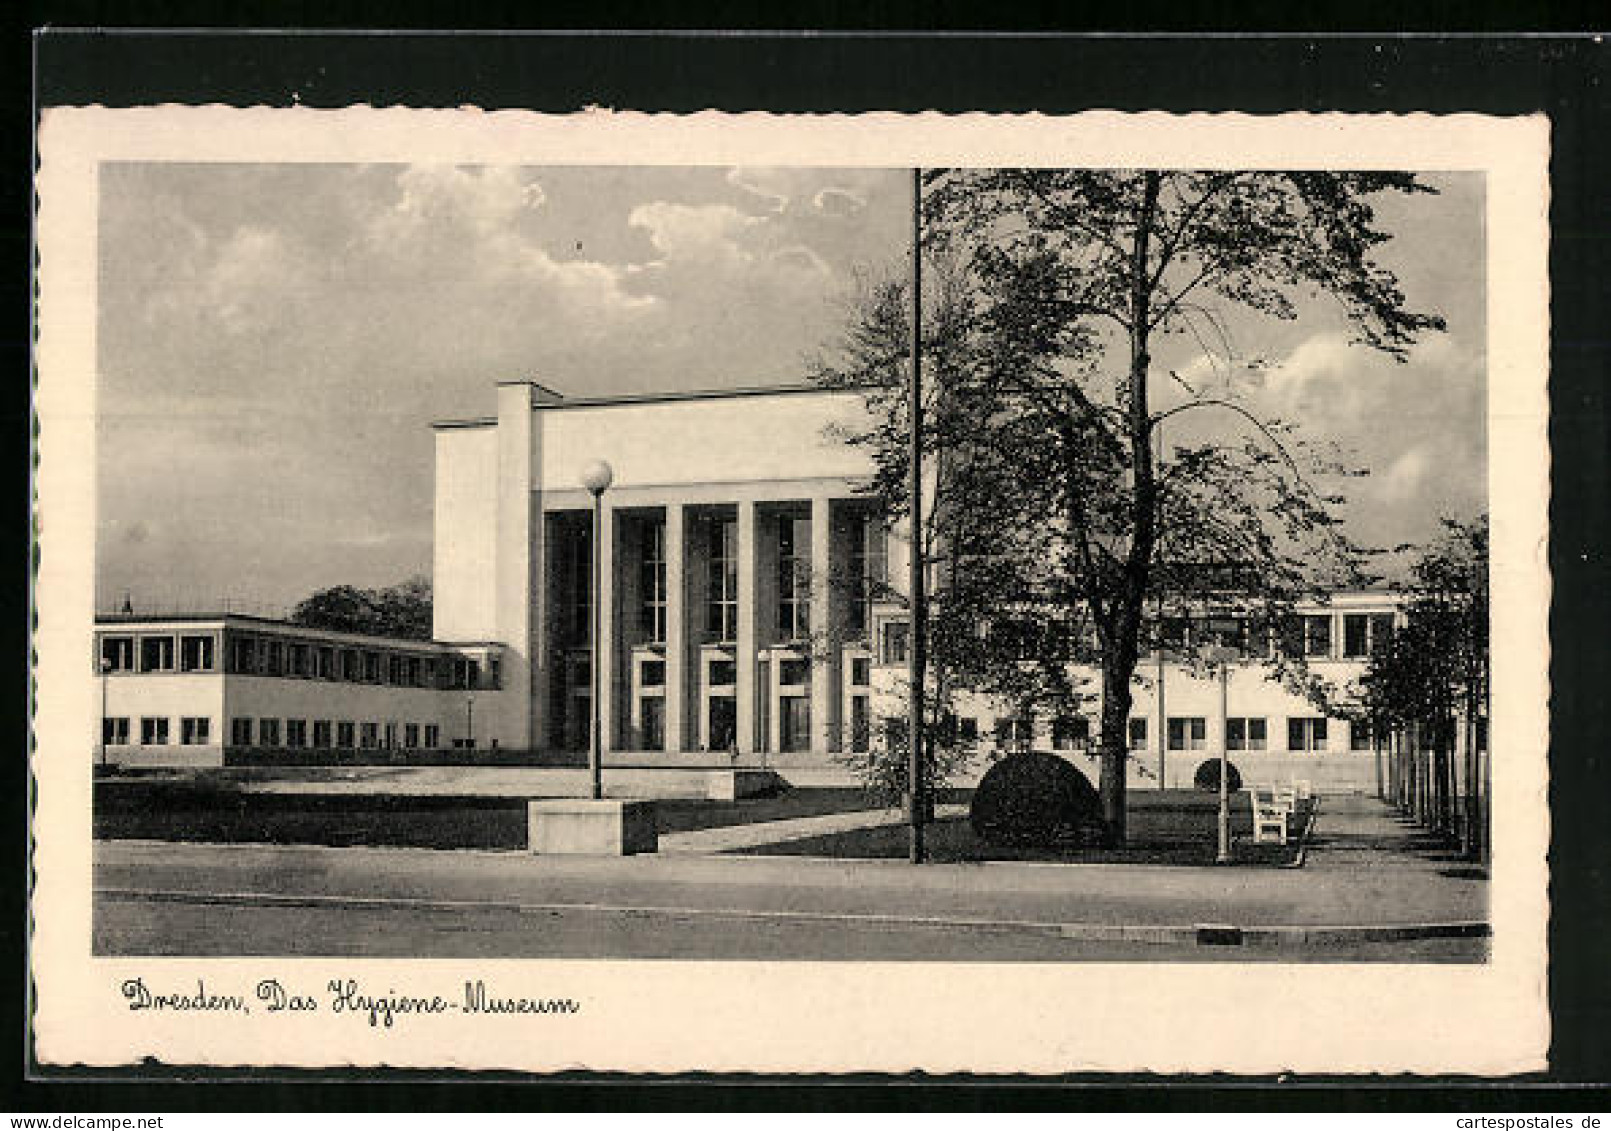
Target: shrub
{"type": "Point", "coordinates": [1207, 776]}
{"type": "Point", "coordinates": [882, 769]}
{"type": "Point", "coordinates": [1033, 798]}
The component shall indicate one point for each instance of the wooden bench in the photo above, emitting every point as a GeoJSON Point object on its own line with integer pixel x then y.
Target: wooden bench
{"type": "Point", "coordinates": [1271, 811]}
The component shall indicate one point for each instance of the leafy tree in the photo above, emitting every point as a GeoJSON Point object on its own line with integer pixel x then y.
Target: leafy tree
{"type": "Point", "coordinates": [1434, 676]}
{"type": "Point", "coordinates": [402, 611]}
{"type": "Point", "coordinates": [1055, 500]}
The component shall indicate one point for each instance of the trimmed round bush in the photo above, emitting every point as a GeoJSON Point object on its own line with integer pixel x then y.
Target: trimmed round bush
{"type": "Point", "coordinates": [1207, 776]}
{"type": "Point", "coordinates": [1033, 799]}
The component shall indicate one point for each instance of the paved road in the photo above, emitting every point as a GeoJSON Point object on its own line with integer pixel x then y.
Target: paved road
{"type": "Point", "coordinates": [142, 927]}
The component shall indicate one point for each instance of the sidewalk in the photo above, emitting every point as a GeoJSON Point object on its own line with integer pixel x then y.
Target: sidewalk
{"type": "Point", "coordinates": [1365, 871]}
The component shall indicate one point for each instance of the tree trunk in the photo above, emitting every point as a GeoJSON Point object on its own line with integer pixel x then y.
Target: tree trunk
{"type": "Point", "coordinates": [1116, 698]}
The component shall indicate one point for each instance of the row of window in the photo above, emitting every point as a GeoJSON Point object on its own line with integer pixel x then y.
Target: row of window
{"type": "Point", "coordinates": [1307, 635]}
{"type": "Point", "coordinates": [273, 656]}
{"type": "Point", "coordinates": [194, 730]}
{"type": "Point", "coordinates": [1190, 732]}
{"type": "Point", "coordinates": [293, 733]}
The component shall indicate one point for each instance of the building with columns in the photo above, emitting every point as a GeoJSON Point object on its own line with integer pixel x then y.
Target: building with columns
{"type": "Point", "coordinates": [750, 593]}
{"type": "Point", "coordinates": [741, 576]}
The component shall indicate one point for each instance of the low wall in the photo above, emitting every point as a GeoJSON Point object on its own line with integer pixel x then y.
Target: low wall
{"type": "Point", "coordinates": [165, 757]}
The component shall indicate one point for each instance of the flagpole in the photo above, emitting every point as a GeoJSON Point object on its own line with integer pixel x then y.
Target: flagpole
{"type": "Point", "coordinates": [916, 786]}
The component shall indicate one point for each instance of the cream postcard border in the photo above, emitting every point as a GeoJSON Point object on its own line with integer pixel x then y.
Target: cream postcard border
{"type": "Point", "coordinates": [811, 1017]}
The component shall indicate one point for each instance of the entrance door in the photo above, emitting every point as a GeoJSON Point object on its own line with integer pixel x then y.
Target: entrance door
{"type": "Point", "coordinates": [723, 723]}
{"type": "Point", "coordinates": [795, 723]}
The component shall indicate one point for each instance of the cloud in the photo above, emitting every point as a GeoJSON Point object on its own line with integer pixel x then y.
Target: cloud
{"type": "Point", "coordinates": [839, 201]}
{"type": "Point", "coordinates": [709, 233]}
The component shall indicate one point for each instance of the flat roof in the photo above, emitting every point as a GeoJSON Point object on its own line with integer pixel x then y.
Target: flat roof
{"type": "Point", "coordinates": [661, 397]}
{"type": "Point", "coordinates": [137, 620]}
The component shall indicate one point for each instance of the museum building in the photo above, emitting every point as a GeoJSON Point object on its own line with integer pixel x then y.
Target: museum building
{"type": "Point", "coordinates": [749, 590]}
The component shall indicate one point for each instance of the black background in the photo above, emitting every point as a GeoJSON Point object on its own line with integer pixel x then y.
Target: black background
{"type": "Point", "coordinates": [1202, 66]}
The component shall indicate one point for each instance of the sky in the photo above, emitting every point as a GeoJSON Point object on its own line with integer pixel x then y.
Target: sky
{"type": "Point", "coordinates": [274, 342]}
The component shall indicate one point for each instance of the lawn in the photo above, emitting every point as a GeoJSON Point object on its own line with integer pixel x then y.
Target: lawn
{"type": "Point", "coordinates": [213, 809]}
{"type": "Point", "coordinates": [1171, 827]}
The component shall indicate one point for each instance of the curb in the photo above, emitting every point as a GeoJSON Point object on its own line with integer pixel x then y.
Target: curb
{"type": "Point", "coordinates": [1200, 934]}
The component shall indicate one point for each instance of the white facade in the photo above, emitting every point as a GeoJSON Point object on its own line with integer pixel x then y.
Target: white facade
{"type": "Point", "coordinates": [736, 538]}
{"type": "Point", "coordinates": [184, 691]}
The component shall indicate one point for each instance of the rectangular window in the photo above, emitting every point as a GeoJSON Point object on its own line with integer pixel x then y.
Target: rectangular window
{"type": "Point", "coordinates": [299, 660]}
{"type": "Point", "coordinates": [352, 666]}
{"type": "Point", "coordinates": [321, 734]}
{"type": "Point", "coordinates": [1381, 632]}
{"type": "Point", "coordinates": [371, 667]}
{"type": "Point", "coordinates": [273, 657]}
{"type": "Point", "coordinates": [652, 579]}
{"type": "Point", "coordinates": [243, 655]}
{"type": "Point", "coordinates": [1317, 636]}
{"type": "Point", "coordinates": [395, 672]}
{"type": "Point", "coordinates": [1306, 734]}
{"type": "Point", "coordinates": [1359, 735]}
{"type": "Point", "coordinates": [896, 635]}
{"type": "Point", "coordinates": [153, 731]}
{"type": "Point", "coordinates": [861, 671]}
{"type": "Point", "coordinates": [344, 735]}
{"type": "Point", "coordinates": [1188, 733]}
{"type": "Point", "coordinates": [723, 673]}
{"type": "Point", "coordinates": [418, 672]}
{"type": "Point", "coordinates": [721, 595]}
{"type": "Point", "coordinates": [861, 725]}
{"type": "Point", "coordinates": [869, 568]}
{"type": "Point", "coordinates": [117, 653]}
{"type": "Point", "coordinates": [411, 735]}
{"type": "Point", "coordinates": [325, 660]}
{"type": "Point", "coordinates": [196, 653]}
{"type": "Point", "coordinates": [494, 672]}
{"type": "Point", "coordinates": [115, 731]}
{"type": "Point", "coordinates": [156, 653]}
{"type": "Point", "coordinates": [268, 732]}
{"type": "Point", "coordinates": [1071, 733]}
{"type": "Point", "coordinates": [433, 736]}
{"type": "Point", "coordinates": [652, 673]}
{"type": "Point", "coordinates": [1138, 733]}
{"type": "Point", "coordinates": [1247, 734]}
{"type": "Point", "coordinates": [194, 731]}
{"type": "Point", "coordinates": [794, 673]}
{"type": "Point", "coordinates": [369, 735]}
{"type": "Point", "coordinates": [1356, 636]}
{"type": "Point", "coordinates": [794, 577]}
{"type": "Point", "coordinates": [240, 732]}
{"type": "Point", "coordinates": [652, 722]}
{"type": "Point", "coordinates": [296, 733]}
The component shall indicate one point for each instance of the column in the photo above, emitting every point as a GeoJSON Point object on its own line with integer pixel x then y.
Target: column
{"type": "Point", "coordinates": [824, 632]}
{"type": "Point", "coordinates": [744, 689]}
{"type": "Point", "coordinates": [607, 651]}
{"type": "Point", "coordinates": [676, 631]}
{"type": "Point", "coordinates": [512, 581]}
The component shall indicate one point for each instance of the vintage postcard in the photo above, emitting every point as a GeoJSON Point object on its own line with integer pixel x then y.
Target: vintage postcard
{"type": "Point", "coordinates": [747, 593]}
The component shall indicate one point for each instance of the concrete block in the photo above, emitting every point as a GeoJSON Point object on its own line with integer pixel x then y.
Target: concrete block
{"type": "Point", "coordinates": [583, 827]}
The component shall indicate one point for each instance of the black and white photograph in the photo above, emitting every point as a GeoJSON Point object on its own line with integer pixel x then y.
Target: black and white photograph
{"type": "Point", "coordinates": [538, 601]}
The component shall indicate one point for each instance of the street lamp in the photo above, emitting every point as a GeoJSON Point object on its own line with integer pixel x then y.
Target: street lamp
{"type": "Point", "coordinates": [106, 668]}
{"type": "Point", "coordinates": [596, 477]}
{"type": "Point", "coordinates": [469, 722]}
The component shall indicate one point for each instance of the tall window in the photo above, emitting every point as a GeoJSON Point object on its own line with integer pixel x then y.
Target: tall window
{"type": "Point", "coordinates": [240, 732]}
{"type": "Point", "coordinates": [321, 734]}
{"type": "Point", "coordinates": [897, 635]}
{"type": "Point", "coordinates": [243, 654]}
{"type": "Point", "coordinates": [153, 731]}
{"type": "Point", "coordinates": [869, 569]}
{"type": "Point", "coordinates": [296, 732]}
{"type": "Point", "coordinates": [1138, 733]}
{"type": "Point", "coordinates": [721, 605]}
{"type": "Point", "coordinates": [1317, 636]}
{"type": "Point", "coordinates": [1381, 631]}
{"type": "Point", "coordinates": [578, 583]}
{"type": "Point", "coordinates": [194, 731]}
{"type": "Point", "coordinates": [1356, 636]}
{"type": "Point", "coordinates": [794, 578]}
{"type": "Point", "coordinates": [1359, 737]}
{"type": "Point", "coordinates": [1306, 734]}
{"type": "Point", "coordinates": [115, 730]}
{"type": "Point", "coordinates": [268, 732]}
{"type": "Point", "coordinates": [652, 610]}
{"type": "Point", "coordinates": [299, 660]}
